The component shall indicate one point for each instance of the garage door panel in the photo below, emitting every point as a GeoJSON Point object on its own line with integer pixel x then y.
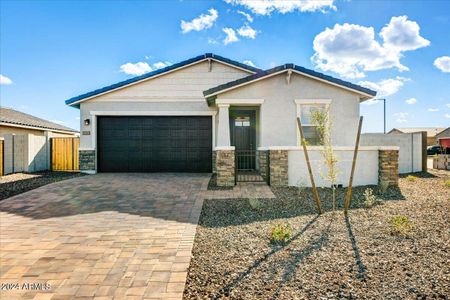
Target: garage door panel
{"type": "Point", "coordinates": [154, 144]}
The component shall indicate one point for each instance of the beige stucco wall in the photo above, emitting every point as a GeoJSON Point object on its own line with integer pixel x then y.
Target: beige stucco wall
{"type": "Point", "coordinates": [278, 113]}
{"type": "Point", "coordinates": [179, 91]}
{"type": "Point", "coordinates": [16, 130]}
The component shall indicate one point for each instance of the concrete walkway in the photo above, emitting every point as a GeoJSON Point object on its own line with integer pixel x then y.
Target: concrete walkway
{"type": "Point", "coordinates": [103, 236]}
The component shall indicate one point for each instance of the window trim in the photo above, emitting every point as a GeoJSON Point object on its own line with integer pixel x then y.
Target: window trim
{"type": "Point", "coordinates": [300, 102]}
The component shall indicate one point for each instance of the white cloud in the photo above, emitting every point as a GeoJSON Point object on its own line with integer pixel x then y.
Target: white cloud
{"type": "Point", "coordinates": [266, 7]}
{"type": "Point", "coordinates": [231, 36]}
{"type": "Point", "coordinates": [204, 21]}
{"type": "Point", "coordinates": [5, 80]}
{"type": "Point", "coordinates": [431, 109]}
{"type": "Point", "coordinates": [249, 62]}
{"type": "Point", "coordinates": [443, 63]}
{"type": "Point", "coordinates": [402, 117]}
{"type": "Point", "coordinates": [411, 101]}
{"type": "Point", "coordinates": [247, 31]}
{"type": "Point", "coordinates": [138, 68]}
{"type": "Point", "coordinates": [402, 34]}
{"type": "Point", "coordinates": [448, 105]}
{"type": "Point", "coordinates": [246, 15]}
{"type": "Point", "coordinates": [212, 41]}
{"type": "Point", "coordinates": [385, 87]}
{"type": "Point", "coordinates": [161, 64]}
{"type": "Point", "coordinates": [350, 50]}
{"type": "Point", "coordinates": [447, 116]}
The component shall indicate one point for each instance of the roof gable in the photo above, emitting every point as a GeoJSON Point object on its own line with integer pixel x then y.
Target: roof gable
{"type": "Point", "coordinates": [9, 116]}
{"type": "Point", "coordinates": [76, 100]}
{"type": "Point", "coordinates": [365, 92]}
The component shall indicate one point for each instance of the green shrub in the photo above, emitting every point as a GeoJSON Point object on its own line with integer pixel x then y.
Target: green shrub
{"type": "Point", "coordinates": [281, 233]}
{"type": "Point", "coordinates": [447, 183]}
{"type": "Point", "coordinates": [411, 178]}
{"type": "Point", "coordinates": [401, 225]}
{"type": "Point", "coordinates": [369, 198]}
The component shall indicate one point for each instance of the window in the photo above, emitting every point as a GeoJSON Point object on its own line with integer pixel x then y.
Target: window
{"type": "Point", "coordinates": [305, 110]}
{"type": "Point", "coordinates": [242, 121]}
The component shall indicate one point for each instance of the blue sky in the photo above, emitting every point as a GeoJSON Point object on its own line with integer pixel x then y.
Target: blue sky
{"type": "Point", "coordinates": [53, 50]}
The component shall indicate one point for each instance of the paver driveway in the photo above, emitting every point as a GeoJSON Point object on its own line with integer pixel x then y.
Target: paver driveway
{"type": "Point", "coordinates": [106, 236]}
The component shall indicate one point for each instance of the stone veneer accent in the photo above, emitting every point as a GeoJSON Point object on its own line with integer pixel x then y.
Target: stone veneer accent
{"type": "Point", "coordinates": [87, 160]}
{"type": "Point", "coordinates": [225, 167]}
{"type": "Point", "coordinates": [214, 169]}
{"type": "Point", "coordinates": [278, 167]}
{"type": "Point", "coordinates": [263, 156]}
{"type": "Point", "coordinates": [388, 168]}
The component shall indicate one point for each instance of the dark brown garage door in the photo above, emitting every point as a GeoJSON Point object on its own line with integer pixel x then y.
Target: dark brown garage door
{"type": "Point", "coordinates": [154, 144]}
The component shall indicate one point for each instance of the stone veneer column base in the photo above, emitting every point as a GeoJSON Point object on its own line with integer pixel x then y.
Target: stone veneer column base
{"type": "Point", "coordinates": [87, 161]}
{"type": "Point", "coordinates": [263, 156]}
{"type": "Point", "coordinates": [225, 167]}
{"type": "Point", "coordinates": [387, 168]}
{"type": "Point", "coordinates": [214, 168]}
{"type": "Point", "coordinates": [278, 160]}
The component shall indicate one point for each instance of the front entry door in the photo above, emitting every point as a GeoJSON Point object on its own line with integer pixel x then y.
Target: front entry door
{"type": "Point", "coordinates": [243, 137]}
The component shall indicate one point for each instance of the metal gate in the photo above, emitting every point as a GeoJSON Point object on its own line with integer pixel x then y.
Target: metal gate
{"type": "Point", "coordinates": [251, 166]}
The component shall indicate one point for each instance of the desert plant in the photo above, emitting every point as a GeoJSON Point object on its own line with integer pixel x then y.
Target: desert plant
{"type": "Point", "coordinates": [411, 178]}
{"type": "Point", "coordinates": [401, 225]}
{"type": "Point", "coordinates": [369, 198]}
{"type": "Point", "coordinates": [447, 183]}
{"type": "Point", "coordinates": [255, 203]}
{"type": "Point", "coordinates": [320, 119]}
{"type": "Point", "coordinates": [280, 233]}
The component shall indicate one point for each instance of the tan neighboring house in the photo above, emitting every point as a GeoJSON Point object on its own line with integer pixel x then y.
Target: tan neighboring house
{"type": "Point", "coordinates": [16, 122]}
{"type": "Point", "coordinates": [431, 132]}
{"type": "Point", "coordinates": [26, 141]}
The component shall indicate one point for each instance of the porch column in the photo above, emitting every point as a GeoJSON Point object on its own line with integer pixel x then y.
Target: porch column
{"type": "Point", "coordinates": [223, 128]}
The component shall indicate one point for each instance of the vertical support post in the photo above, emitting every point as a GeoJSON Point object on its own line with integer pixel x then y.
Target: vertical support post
{"type": "Point", "coordinates": [355, 156]}
{"type": "Point", "coordinates": [311, 176]}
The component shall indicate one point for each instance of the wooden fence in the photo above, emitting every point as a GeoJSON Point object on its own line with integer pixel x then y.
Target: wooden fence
{"type": "Point", "coordinates": [64, 154]}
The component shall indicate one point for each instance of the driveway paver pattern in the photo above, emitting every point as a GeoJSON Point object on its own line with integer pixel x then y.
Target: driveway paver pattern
{"type": "Point", "coordinates": [105, 236]}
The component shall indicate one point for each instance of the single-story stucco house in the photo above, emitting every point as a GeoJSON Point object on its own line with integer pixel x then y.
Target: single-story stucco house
{"type": "Point", "coordinates": [213, 114]}
{"type": "Point", "coordinates": [16, 122]}
{"type": "Point", "coordinates": [431, 133]}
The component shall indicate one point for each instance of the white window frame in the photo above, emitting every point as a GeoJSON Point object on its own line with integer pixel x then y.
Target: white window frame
{"type": "Point", "coordinates": [300, 102]}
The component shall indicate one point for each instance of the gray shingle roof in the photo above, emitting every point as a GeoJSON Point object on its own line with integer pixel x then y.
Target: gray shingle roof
{"type": "Point", "coordinates": [14, 117]}
{"type": "Point", "coordinates": [160, 71]}
{"type": "Point", "coordinates": [269, 72]}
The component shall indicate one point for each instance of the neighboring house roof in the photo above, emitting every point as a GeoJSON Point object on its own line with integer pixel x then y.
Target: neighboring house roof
{"type": "Point", "coordinates": [367, 93]}
{"type": "Point", "coordinates": [14, 118]}
{"type": "Point", "coordinates": [431, 131]}
{"type": "Point", "coordinates": [442, 131]}
{"type": "Point", "coordinates": [77, 99]}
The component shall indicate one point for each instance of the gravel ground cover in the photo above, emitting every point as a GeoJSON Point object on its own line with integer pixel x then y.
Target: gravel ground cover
{"type": "Point", "coordinates": [327, 256]}
{"type": "Point", "coordinates": [18, 183]}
